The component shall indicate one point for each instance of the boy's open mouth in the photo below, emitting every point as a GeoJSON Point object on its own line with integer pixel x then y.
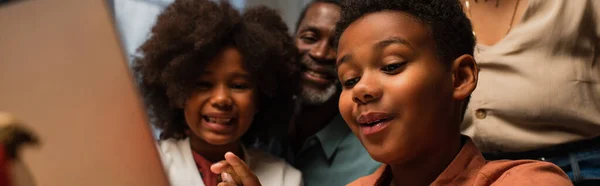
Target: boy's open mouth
{"type": "Point", "coordinates": [376, 122]}
{"type": "Point", "coordinates": [372, 123]}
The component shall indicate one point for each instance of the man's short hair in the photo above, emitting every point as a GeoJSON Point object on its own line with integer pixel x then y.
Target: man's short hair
{"type": "Point", "coordinates": [303, 13]}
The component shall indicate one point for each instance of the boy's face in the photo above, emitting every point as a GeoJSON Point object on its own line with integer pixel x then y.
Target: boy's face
{"type": "Point", "coordinates": [223, 105]}
{"type": "Point", "coordinates": [397, 96]}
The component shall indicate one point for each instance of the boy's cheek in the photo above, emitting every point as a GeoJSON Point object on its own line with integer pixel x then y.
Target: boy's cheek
{"type": "Point", "coordinates": [346, 106]}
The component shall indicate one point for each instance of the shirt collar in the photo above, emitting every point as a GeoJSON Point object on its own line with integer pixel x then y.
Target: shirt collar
{"type": "Point", "coordinates": [466, 163]}
{"type": "Point", "coordinates": [199, 158]}
{"type": "Point", "coordinates": [465, 166]}
{"type": "Point", "coordinates": [332, 135]}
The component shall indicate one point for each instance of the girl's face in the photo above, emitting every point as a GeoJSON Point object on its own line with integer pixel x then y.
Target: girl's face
{"type": "Point", "coordinates": [222, 107]}
{"type": "Point", "coordinates": [397, 95]}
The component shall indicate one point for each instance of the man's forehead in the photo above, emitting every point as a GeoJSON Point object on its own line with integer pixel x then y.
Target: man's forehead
{"type": "Point", "coordinates": [321, 14]}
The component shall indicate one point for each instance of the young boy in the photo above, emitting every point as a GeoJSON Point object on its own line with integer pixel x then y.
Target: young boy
{"type": "Point", "coordinates": [407, 71]}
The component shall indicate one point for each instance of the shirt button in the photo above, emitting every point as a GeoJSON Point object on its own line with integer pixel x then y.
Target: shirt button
{"type": "Point", "coordinates": [480, 114]}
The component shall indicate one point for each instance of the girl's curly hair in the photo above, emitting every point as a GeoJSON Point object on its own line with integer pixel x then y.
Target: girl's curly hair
{"type": "Point", "coordinates": [189, 34]}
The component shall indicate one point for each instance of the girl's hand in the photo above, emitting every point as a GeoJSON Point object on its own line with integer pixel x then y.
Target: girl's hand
{"type": "Point", "coordinates": [234, 172]}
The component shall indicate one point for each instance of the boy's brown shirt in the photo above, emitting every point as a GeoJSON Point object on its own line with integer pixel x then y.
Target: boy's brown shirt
{"type": "Point", "coordinates": [470, 168]}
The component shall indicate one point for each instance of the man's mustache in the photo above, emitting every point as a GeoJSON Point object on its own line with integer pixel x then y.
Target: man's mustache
{"type": "Point", "coordinates": [307, 63]}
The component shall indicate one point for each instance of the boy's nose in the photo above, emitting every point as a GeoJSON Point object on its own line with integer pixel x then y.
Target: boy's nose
{"type": "Point", "coordinates": [366, 90]}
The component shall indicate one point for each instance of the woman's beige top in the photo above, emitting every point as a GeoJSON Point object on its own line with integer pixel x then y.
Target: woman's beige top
{"type": "Point", "coordinates": [540, 85]}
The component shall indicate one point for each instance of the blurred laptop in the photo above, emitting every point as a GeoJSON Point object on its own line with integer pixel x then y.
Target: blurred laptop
{"type": "Point", "coordinates": [63, 75]}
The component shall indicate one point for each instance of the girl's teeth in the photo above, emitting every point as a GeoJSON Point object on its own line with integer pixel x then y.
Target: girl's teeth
{"type": "Point", "coordinates": [219, 120]}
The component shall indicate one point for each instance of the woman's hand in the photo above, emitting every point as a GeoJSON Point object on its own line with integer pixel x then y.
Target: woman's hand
{"type": "Point", "coordinates": [234, 172]}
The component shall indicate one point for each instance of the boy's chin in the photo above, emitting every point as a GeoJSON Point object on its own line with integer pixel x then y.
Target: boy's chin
{"type": "Point", "coordinates": [389, 155]}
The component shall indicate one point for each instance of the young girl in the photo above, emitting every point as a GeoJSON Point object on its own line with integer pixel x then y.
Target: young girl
{"type": "Point", "coordinates": [210, 76]}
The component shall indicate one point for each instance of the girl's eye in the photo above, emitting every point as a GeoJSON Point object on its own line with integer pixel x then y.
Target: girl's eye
{"type": "Point", "coordinates": [392, 68]}
{"type": "Point", "coordinates": [351, 82]}
{"type": "Point", "coordinates": [203, 85]}
{"type": "Point", "coordinates": [240, 86]}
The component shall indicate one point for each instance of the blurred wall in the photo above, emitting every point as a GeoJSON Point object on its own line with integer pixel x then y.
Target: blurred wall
{"type": "Point", "coordinates": [135, 18]}
{"type": "Point", "coordinates": [289, 9]}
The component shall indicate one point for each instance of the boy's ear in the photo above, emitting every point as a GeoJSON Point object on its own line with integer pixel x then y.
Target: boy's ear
{"type": "Point", "coordinates": [464, 76]}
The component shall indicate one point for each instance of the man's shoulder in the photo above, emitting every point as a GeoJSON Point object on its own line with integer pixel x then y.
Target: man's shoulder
{"type": "Point", "coordinates": [353, 154]}
{"type": "Point", "coordinates": [351, 146]}
{"type": "Point", "coordinates": [350, 140]}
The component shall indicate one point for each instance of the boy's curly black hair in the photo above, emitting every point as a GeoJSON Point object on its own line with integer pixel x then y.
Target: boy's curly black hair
{"type": "Point", "coordinates": [189, 34]}
{"type": "Point", "coordinates": [448, 25]}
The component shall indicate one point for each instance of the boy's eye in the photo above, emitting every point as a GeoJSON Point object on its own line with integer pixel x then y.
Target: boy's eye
{"type": "Point", "coordinates": [351, 82]}
{"type": "Point", "coordinates": [392, 68]}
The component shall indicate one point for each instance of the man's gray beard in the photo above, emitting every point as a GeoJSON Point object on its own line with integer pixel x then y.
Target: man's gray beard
{"type": "Point", "coordinates": [314, 96]}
